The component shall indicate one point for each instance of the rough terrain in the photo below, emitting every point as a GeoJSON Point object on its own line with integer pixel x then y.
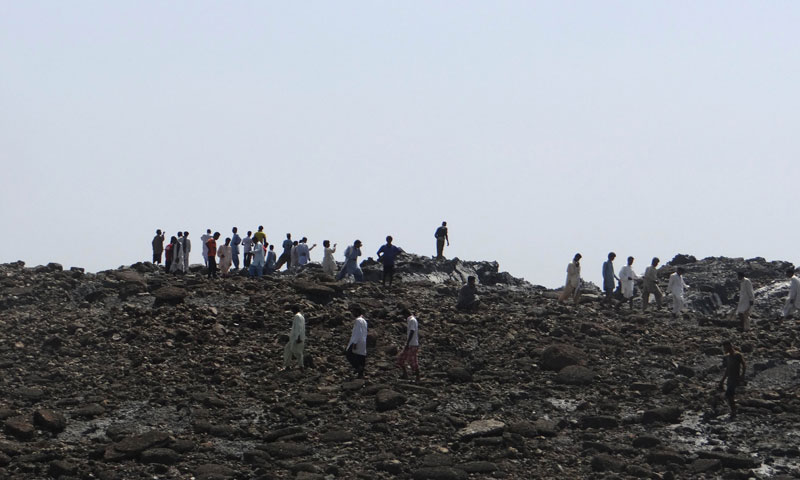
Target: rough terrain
{"type": "Point", "coordinates": [133, 373]}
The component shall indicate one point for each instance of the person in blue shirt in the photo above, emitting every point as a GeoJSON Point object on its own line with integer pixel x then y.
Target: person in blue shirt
{"type": "Point", "coordinates": [387, 255]}
{"type": "Point", "coordinates": [236, 240]}
{"type": "Point", "coordinates": [350, 266]}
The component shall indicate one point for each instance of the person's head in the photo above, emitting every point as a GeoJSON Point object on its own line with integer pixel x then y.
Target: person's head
{"type": "Point", "coordinates": [790, 273]}
{"type": "Point", "coordinates": [261, 228]}
{"type": "Point", "coordinates": [357, 244]}
{"type": "Point", "coordinates": [630, 260]}
{"type": "Point", "coordinates": [612, 255]}
{"type": "Point", "coordinates": [208, 231]}
{"type": "Point", "coordinates": [216, 235]}
{"type": "Point", "coordinates": [185, 234]}
{"type": "Point", "coordinates": [577, 258]}
{"type": "Point", "coordinates": [295, 308]}
{"type": "Point", "coordinates": [249, 232]}
{"type": "Point", "coordinates": [158, 232]}
{"type": "Point", "coordinates": [727, 346]}
{"type": "Point", "coordinates": [303, 240]}
{"type": "Point", "coordinates": [227, 240]}
{"type": "Point", "coordinates": [471, 280]}
{"type": "Point", "coordinates": [389, 239]}
{"type": "Point", "coordinates": [444, 224]}
{"type": "Point", "coordinates": [272, 247]}
{"type": "Point", "coordinates": [405, 311]}
{"type": "Point", "coordinates": [740, 275]}
{"type": "Point", "coordinates": [356, 310]}
{"type": "Point", "coordinates": [326, 243]}
{"type": "Point", "coordinates": [180, 234]}
{"type": "Point", "coordinates": [655, 261]}
{"type": "Point", "coordinates": [680, 270]}
{"type": "Point", "coordinates": [295, 243]}
{"type": "Point", "coordinates": [173, 239]}
{"type": "Point", "coordinates": [289, 236]}
{"type": "Point", "coordinates": [234, 230]}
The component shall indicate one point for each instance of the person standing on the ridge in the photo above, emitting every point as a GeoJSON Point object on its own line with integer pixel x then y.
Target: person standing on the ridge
{"type": "Point", "coordinates": [211, 258]}
{"type": "Point", "coordinates": [224, 254]}
{"type": "Point", "coordinates": [158, 246]}
{"type": "Point", "coordinates": [468, 299]}
{"type": "Point", "coordinates": [260, 236]}
{"type": "Point", "coordinates": [187, 247]}
{"type": "Point", "coordinates": [734, 372]}
{"type": "Point", "coordinates": [572, 286]}
{"type": "Point", "coordinates": [627, 277]}
{"type": "Point", "coordinates": [441, 238]}
{"type": "Point", "coordinates": [357, 347]}
{"type": "Point", "coordinates": [236, 240]}
{"type": "Point", "coordinates": [676, 287]}
{"type": "Point", "coordinates": [609, 278]}
{"type": "Point", "coordinates": [409, 353]}
{"type": "Point", "coordinates": [256, 268]}
{"type": "Point", "coordinates": [204, 239]}
{"type": "Point", "coordinates": [746, 300]}
{"type": "Point", "coordinates": [168, 254]}
{"type": "Point", "coordinates": [650, 285]}
{"type": "Point", "coordinates": [304, 252]}
{"type": "Point", "coordinates": [247, 246]}
{"type": "Point", "coordinates": [177, 255]}
{"type": "Point", "coordinates": [793, 300]}
{"type": "Point", "coordinates": [387, 255]}
{"type": "Point", "coordinates": [297, 338]}
{"type": "Point", "coordinates": [286, 256]}
{"type": "Point", "coordinates": [350, 266]}
{"type": "Point", "coordinates": [328, 263]}
{"type": "Point", "coordinates": [271, 262]}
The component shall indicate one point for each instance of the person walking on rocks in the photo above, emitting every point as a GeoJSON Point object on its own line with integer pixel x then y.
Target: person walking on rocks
{"type": "Point", "coordinates": [286, 256]}
{"type": "Point", "coordinates": [627, 277]}
{"type": "Point", "coordinates": [293, 351]}
{"type": "Point", "coordinates": [204, 239]}
{"type": "Point", "coordinates": [468, 299]}
{"type": "Point", "coordinates": [224, 254]}
{"type": "Point", "coordinates": [357, 347]}
{"type": "Point", "coordinates": [304, 252]}
{"type": "Point", "coordinates": [734, 372]}
{"type": "Point", "coordinates": [256, 268]}
{"type": "Point", "coordinates": [387, 255]}
{"type": "Point", "coordinates": [676, 287]}
{"type": "Point", "coordinates": [158, 246]}
{"type": "Point", "coordinates": [247, 246]}
{"type": "Point", "coordinates": [187, 247]}
{"type": "Point", "coordinates": [350, 266]}
{"type": "Point", "coordinates": [409, 354]}
{"type": "Point", "coordinates": [573, 283]}
{"type": "Point", "coordinates": [793, 300]}
{"type": "Point", "coordinates": [609, 278]}
{"type": "Point", "coordinates": [236, 240]}
{"type": "Point", "coordinates": [210, 246]}
{"type": "Point", "coordinates": [328, 263]}
{"type": "Point", "coordinates": [746, 300]}
{"type": "Point", "coordinates": [650, 284]}
{"type": "Point", "coordinates": [441, 238]}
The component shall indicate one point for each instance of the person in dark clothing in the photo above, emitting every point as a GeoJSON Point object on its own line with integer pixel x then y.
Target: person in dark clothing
{"type": "Point", "coordinates": [441, 238]}
{"type": "Point", "coordinates": [286, 256]}
{"type": "Point", "coordinates": [158, 247]}
{"type": "Point", "coordinates": [387, 255]}
{"type": "Point", "coordinates": [211, 243]}
{"type": "Point", "coordinates": [734, 373]}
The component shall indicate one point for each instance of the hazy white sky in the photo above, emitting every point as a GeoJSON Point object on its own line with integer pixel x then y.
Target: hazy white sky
{"type": "Point", "coordinates": [536, 129]}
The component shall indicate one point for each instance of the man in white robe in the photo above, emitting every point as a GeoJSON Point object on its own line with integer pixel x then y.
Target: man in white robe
{"type": "Point", "coordinates": [676, 287]}
{"type": "Point", "coordinates": [187, 247]}
{"type": "Point", "coordinates": [746, 300]}
{"type": "Point", "coordinates": [573, 283]}
{"type": "Point", "coordinates": [304, 252]}
{"type": "Point", "coordinates": [357, 346]}
{"type": "Point", "coordinates": [627, 277]}
{"type": "Point", "coordinates": [293, 351]}
{"type": "Point", "coordinates": [793, 300]}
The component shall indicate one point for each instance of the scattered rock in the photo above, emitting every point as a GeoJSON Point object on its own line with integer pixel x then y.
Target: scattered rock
{"type": "Point", "coordinates": [50, 420]}
{"type": "Point", "coordinates": [556, 357]}
{"type": "Point", "coordinates": [575, 375]}
{"type": "Point", "coordinates": [388, 400]}
{"type": "Point", "coordinates": [481, 428]}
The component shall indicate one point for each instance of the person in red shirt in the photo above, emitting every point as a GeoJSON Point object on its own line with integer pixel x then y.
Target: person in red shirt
{"type": "Point", "coordinates": [211, 243]}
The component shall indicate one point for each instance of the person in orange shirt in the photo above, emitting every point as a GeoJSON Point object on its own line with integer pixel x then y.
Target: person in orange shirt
{"type": "Point", "coordinates": [211, 244]}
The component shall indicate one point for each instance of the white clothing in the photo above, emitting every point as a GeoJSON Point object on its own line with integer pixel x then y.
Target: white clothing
{"type": "Point", "coordinates": [303, 254]}
{"type": "Point", "coordinates": [626, 278]}
{"type": "Point", "coordinates": [258, 256]}
{"type": "Point", "coordinates": [293, 347]}
{"type": "Point", "coordinates": [293, 258]}
{"type": "Point", "coordinates": [676, 287]}
{"type": "Point", "coordinates": [247, 244]}
{"type": "Point", "coordinates": [204, 238]}
{"type": "Point", "coordinates": [177, 258]}
{"type": "Point", "coordinates": [187, 247]}
{"type": "Point", "coordinates": [746, 296]}
{"type": "Point", "coordinates": [573, 275]}
{"type": "Point", "coordinates": [793, 301]}
{"type": "Point", "coordinates": [328, 263]}
{"type": "Point", "coordinates": [413, 326]}
{"type": "Point", "coordinates": [359, 336]}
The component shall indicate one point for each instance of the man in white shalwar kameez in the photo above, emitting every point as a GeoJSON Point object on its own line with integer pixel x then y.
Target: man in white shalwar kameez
{"type": "Point", "coordinates": [746, 300]}
{"type": "Point", "coordinates": [676, 287]}
{"type": "Point", "coordinates": [357, 346]}
{"type": "Point", "coordinates": [187, 247]}
{"type": "Point", "coordinates": [293, 351]}
{"type": "Point", "coordinates": [627, 277]}
{"type": "Point", "coordinates": [793, 301]}
{"type": "Point", "coordinates": [572, 287]}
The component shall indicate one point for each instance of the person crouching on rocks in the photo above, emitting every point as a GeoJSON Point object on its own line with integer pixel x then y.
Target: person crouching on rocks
{"type": "Point", "coordinates": [357, 347]}
{"type": "Point", "coordinates": [293, 351]}
{"type": "Point", "coordinates": [734, 372]}
{"type": "Point", "coordinates": [467, 297]}
{"type": "Point", "coordinates": [409, 354]}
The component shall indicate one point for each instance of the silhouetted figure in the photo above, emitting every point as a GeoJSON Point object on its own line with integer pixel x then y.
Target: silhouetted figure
{"type": "Point", "coordinates": [441, 238]}
{"type": "Point", "coordinates": [158, 246]}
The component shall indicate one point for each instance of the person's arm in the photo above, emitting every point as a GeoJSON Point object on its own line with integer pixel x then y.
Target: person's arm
{"type": "Point", "coordinates": [312, 247]}
{"type": "Point", "coordinates": [743, 364]}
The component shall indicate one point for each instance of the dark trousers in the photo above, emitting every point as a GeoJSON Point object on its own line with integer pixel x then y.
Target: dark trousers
{"type": "Point", "coordinates": [212, 267]}
{"type": "Point", "coordinates": [247, 258]}
{"type": "Point", "coordinates": [157, 256]}
{"type": "Point", "coordinates": [388, 273]}
{"type": "Point", "coordinates": [236, 260]}
{"type": "Point", "coordinates": [359, 362]}
{"type": "Point", "coordinates": [440, 248]}
{"type": "Point", "coordinates": [284, 258]}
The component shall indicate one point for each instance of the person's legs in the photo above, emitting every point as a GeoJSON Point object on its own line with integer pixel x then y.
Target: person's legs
{"type": "Point", "coordinates": [236, 260]}
{"type": "Point", "coordinates": [212, 267]}
{"type": "Point", "coordinates": [565, 294]}
{"type": "Point", "coordinates": [729, 396]}
{"type": "Point", "coordinates": [358, 274]}
{"type": "Point", "coordinates": [440, 248]}
{"type": "Point", "coordinates": [659, 296]}
{"type": "Point", "coordinates": [744, 321]}
{"type": "Point", "coordinates": [247, 257]}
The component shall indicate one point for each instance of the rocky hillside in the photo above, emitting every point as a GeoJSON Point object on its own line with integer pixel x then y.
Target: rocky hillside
{"type": "Point", "coordinates": [132, 373]}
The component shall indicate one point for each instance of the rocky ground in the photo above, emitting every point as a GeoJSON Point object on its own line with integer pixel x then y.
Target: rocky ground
{"type": "Point", "coordinates": [132, 373]}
